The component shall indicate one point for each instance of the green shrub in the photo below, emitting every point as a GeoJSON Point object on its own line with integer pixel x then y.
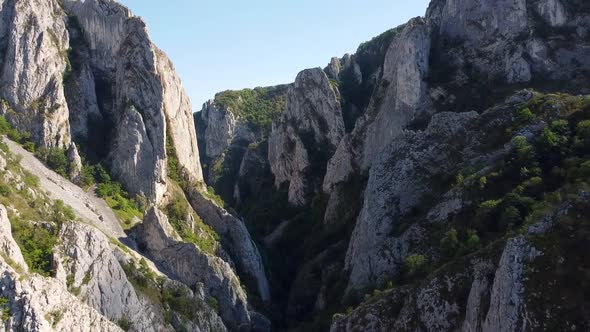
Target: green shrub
{"type": "Point", "coordinates": [178, 212]}
{"type": "Point", "coordinates": [174, 167]}
{"type": "Point", "coordinates": [54, 317]}
{"type": "Point", "coordinates": [88, 173]}
{"type": "Point", "coordinates": [4, 308]}
{"type": "Point", "coordinates": [179, 301]}
{"type": "Point", "coordinates": [143, 279]}
{"type": "Point", "coordinates": [36, 243]}
{"type": "Point", "coordinates": [459, 180]}
{"type": "Point", "coordinates": [583, 130]}
{"type": "Point", "coordinates": [415, 266]}
{"type": "Point", "coordinates": [560, 127]}
{"type": "Point", "coordinates": [509, 217]}
{"type": "Point", "coordinates": [552, 141]}
{"type": "Point", "coordinates": [214, 197]}
{"type": "Point", "coordinates": [472, 241]}
{"type": "Point", "coordinates": [450, 242]}
{"type": "Point", "coordinates": [125, 324]}
{"type": "Point", "coordinates": [61, 213]}
{"type": "Point", "coordinates": [524, 115]}
{"type": "Point", "coordinates": [213, 303]}
{"type": "Point", "coordinates": [101, 174]}
{"type": "Point", "coordinates": [118, 199]}
{"type": "Point", "coordinates": [29, 146]}
{"type": "Point", "coordinates": [483, 181]}
{"type": "Point", "coordinates": [55, 158]}
{"type": "Point", "coordinates": [524, 152]}
{"type": "Point", "coordinates": [30, 179]}
{"type": "Point", "coordinates": [582, 138]}
{"type": "Point", "coordinates": [5, 190]}
{"type": "Point", "coordinates": [109, 189]}
{"type": "Point", "coordinates": [489, 205]}
{"type": "Point", "coordinates": [15, 135]}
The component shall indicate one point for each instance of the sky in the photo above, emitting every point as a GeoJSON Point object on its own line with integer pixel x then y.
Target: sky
{"type": "Point", "coordinates": [219, 45]}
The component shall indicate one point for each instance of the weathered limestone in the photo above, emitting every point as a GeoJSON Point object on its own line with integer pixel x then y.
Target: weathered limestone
{"type": "Point", "coordinates": [187, 263]}
{"type": "Point", "coordinates": [34, 61]}
{"type": "Point", "coordinates": [306, 135]}
{"type": "Point", "coordinates": [86, 262]}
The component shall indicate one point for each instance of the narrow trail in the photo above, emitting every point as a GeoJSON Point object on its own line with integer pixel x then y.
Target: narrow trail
{"type": "Point", "coordinates": [87, 205]}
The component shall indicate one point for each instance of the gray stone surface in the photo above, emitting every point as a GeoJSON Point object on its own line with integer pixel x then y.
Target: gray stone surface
{"type": "Point", "coordinates": [186, 263]}
{"type": "Point", "coordinates": [86, 261]}
{"type": "Point", "coordinates": [311, 126]}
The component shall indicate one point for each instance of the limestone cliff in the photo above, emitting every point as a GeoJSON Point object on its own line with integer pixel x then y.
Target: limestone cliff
{"type": "Point", "coordinates": [362, 159]}
{"type": "Point", "coordinates": [82, 84]}
{"type": "Point", "coordinates": [138, 91]}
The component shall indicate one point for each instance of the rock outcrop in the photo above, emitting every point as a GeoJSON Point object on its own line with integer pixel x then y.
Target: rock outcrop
{"type": "Point", "coordinates": [34, 59]}
{"type": "Point", "coordinates": [237, 239]}
{"type": "Point", "coordinates": [306, 135]}
{"type": "Point", "coordinates": [120, 79]}
{"type": "Point", "coordinates": [84, 77]}
{"type": "Point", "coordinates": [87, 264]}
{"type": "Point", "coordinates": [229, 126]}
{"type": "Point", "coordinates": [404, 174]}
{"type": "Point", "coordinates": [9, 248]}
{"type": "Point", "coordinates": [119, 87]}
{"type": "Point", "coordinates": [482, 296]}
{"type": "Point", "coordinates": [395, 124]}
{"type": "Point", "coordinates": [35, 303]}
{"type": "Point", "coordinates": [187, 263]}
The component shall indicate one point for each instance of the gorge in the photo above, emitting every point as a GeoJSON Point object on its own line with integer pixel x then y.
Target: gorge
{"type": "Point", "coordinates": [435, 180]}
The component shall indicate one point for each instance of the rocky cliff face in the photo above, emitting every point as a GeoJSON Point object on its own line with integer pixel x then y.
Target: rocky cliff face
{"type": "Point", "coordinates": [86, 264]}
{"type": "Point", "coordinates": [365, 153]}
{"type": "Point", "coordinates": [434, 180]}
{"type": "Point", "coordinates": [138, 92]}
{"type": "Point", "coordinates": [99, 56]}
{"type": "Point", "coordinates": [193, 267]}
{"type": "Point", "coordinates": [306, 135]}
{"type": "Point", "coordinates": [86, 72]}
{"type": "Point", "coordinates": [231, 125]}
{"type": "Point", "coordinates": [34, 303]}
{"type": "Point", "coordinates": [32, 99]}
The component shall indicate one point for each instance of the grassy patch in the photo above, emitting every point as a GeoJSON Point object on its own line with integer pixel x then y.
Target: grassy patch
{"type": "Point", "coordinates": [125, 324]}
{"type": "Point", "coordinates": [54, 317]}
{"type": "Point", "coordinates": [179, 213]}
{"type": "Point", "coordinates": [144, 280]}
{"type": "Point", "coordinates": [35, 219]}
{"type": "Point", "coordinates": [210, 193]}
{"type": "Point", "coordinates": [15, 135]}
{"type": "Point", "coordinates": [118, 199]}
{"type": "Point", "coordinates": [37, 240]}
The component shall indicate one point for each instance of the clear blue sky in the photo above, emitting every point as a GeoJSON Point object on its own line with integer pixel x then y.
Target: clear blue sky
{"type": "Point", "coordinates": [218, 45]}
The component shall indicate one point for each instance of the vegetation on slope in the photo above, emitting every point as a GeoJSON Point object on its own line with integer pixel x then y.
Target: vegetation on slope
{"type": "Point", "coordinates": [539, 174]}
{"type": "Point", "coordinates": [176, 299]}
{"type": "Point", "coordinates": [36, 220]}
{"type": "Point", "coordinates": [126, 208]}
{"type": "Point", "coordinates": [258, 107]}
{"type": "Point", "coordinates": [189, 225]}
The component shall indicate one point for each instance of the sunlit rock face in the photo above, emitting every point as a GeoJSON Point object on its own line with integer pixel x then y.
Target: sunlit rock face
{"type": "Point", "coordinates": [392, 122]}
{"type": "Point", "coordinates": [72, 68]}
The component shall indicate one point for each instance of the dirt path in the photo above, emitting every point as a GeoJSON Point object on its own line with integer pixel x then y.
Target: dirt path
{"type": "Point", "coordinates": [86, 204]}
